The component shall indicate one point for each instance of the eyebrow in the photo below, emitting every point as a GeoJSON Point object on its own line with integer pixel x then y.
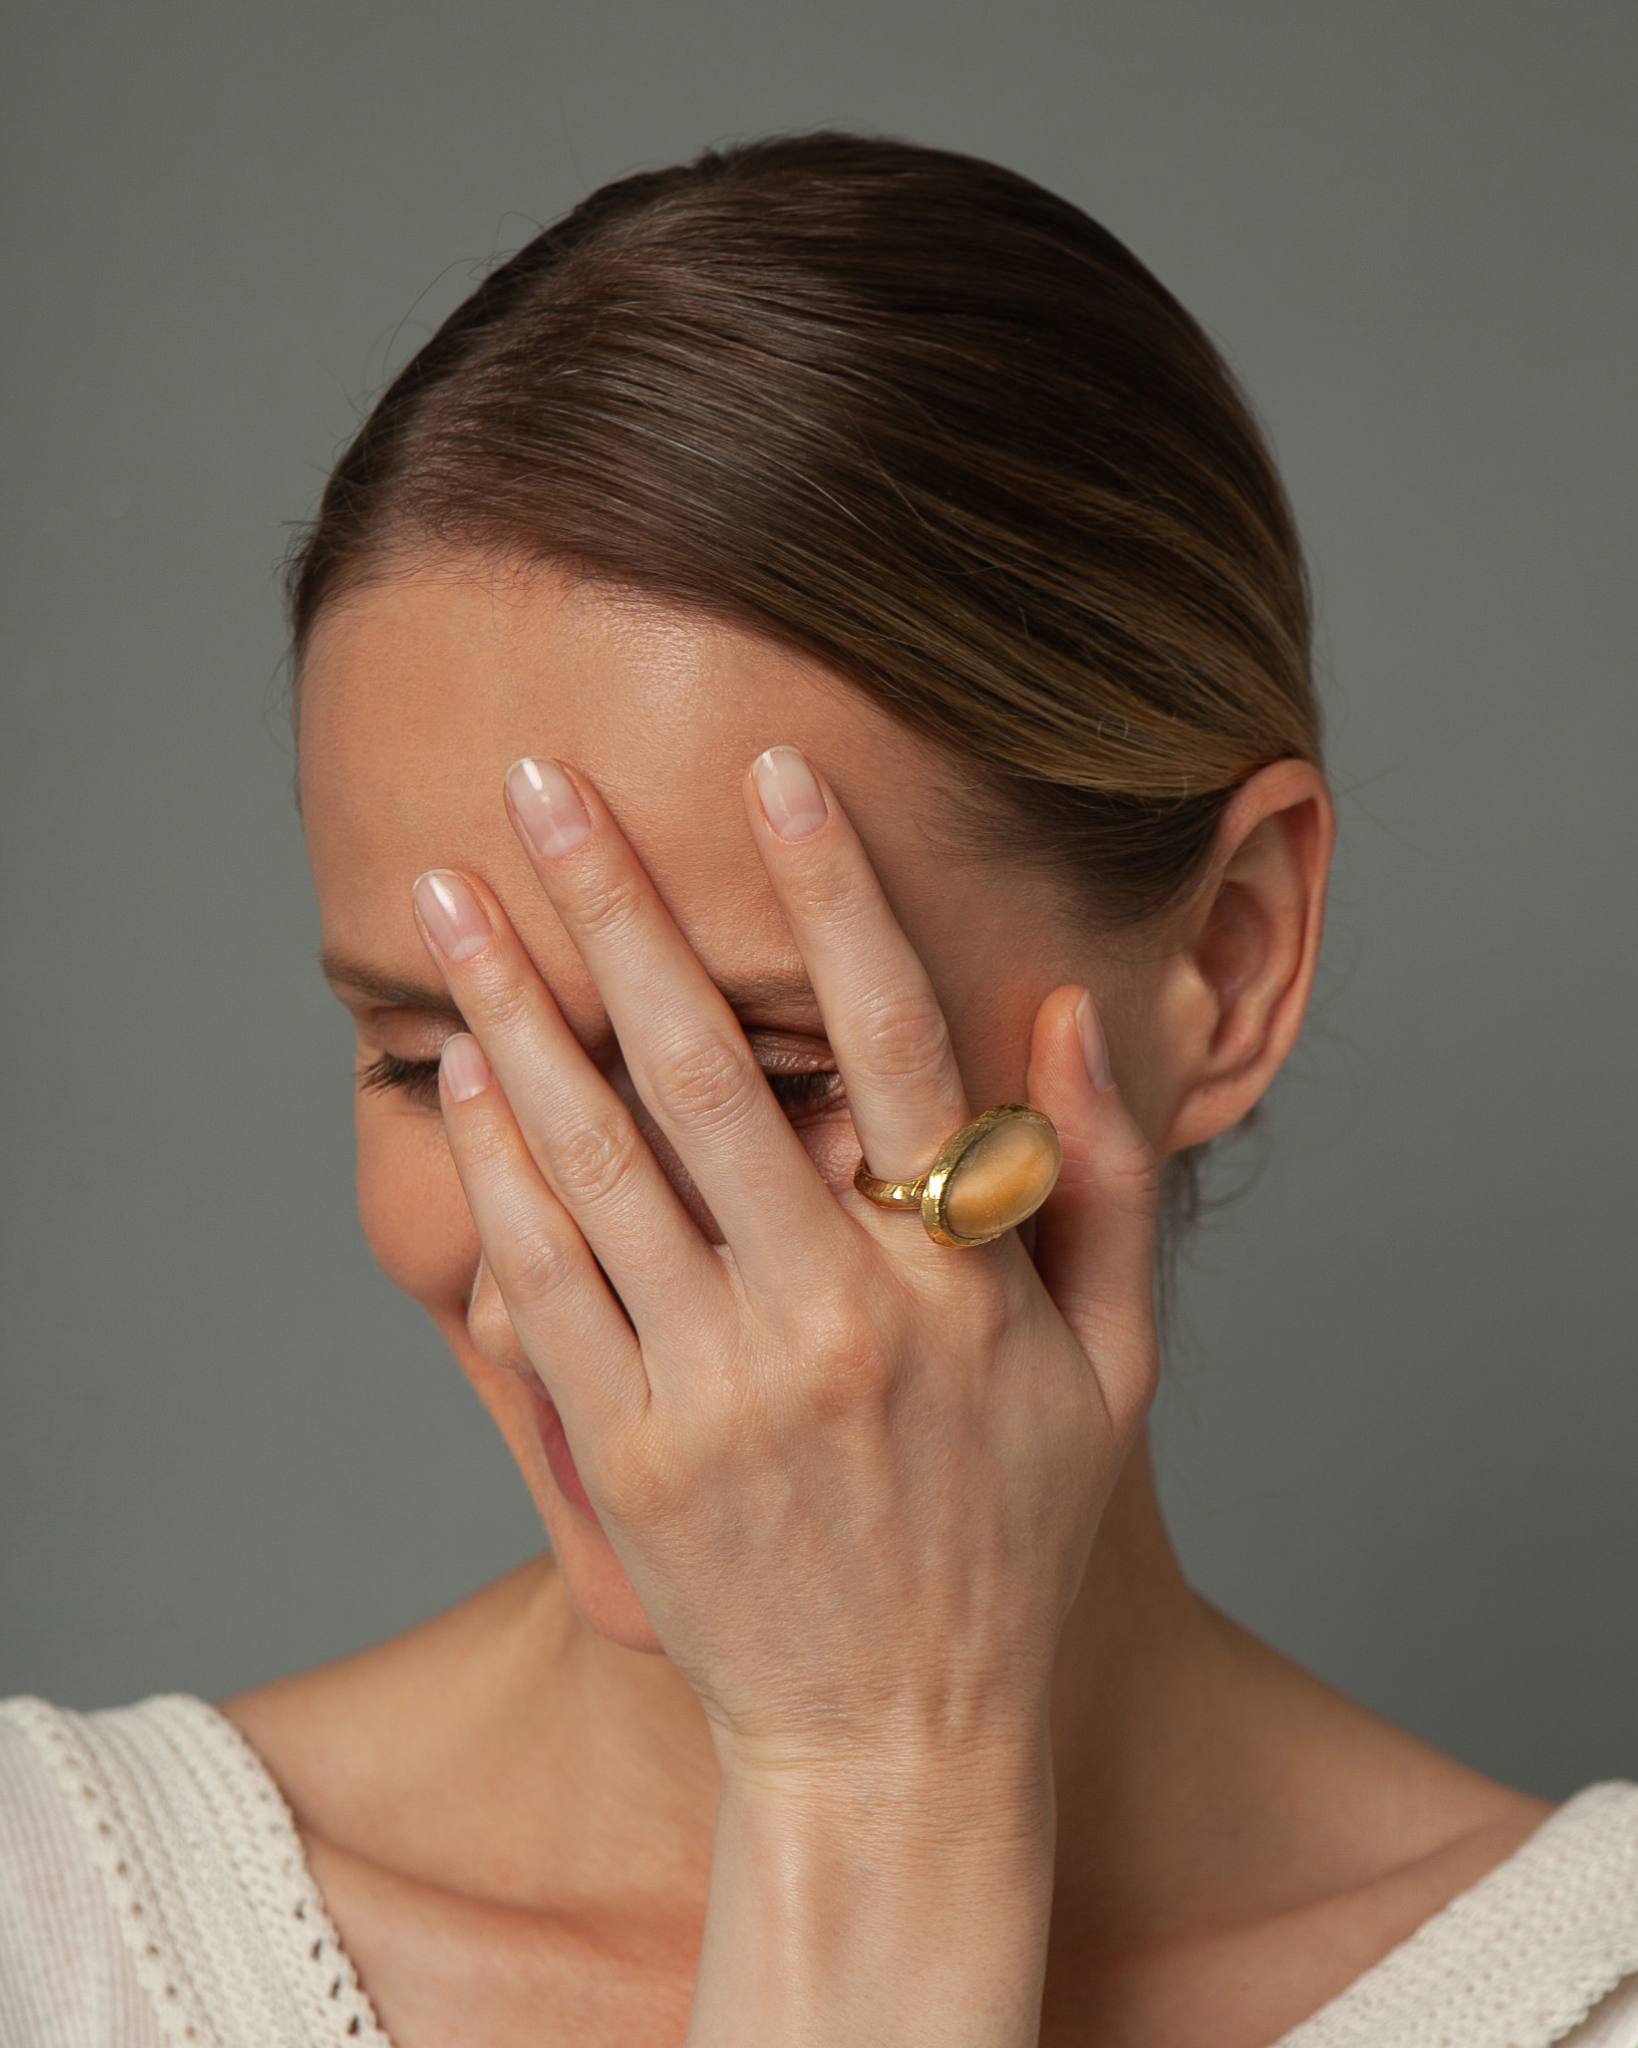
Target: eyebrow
{"type": "Point", "coordinates": [341, 969]}
{"type": "Point", "coordinates": [752, 992]}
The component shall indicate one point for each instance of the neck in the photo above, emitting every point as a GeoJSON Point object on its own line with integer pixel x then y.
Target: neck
{"type": "Point", "coordinates": [1162, 1715]}
{"type": "Point", "coordinates": [505, 1756]}
{"type": "Point", "coordinates": [1144, 1696]}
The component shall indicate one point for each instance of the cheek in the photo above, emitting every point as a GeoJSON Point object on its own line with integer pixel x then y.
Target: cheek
{"type": "Point", "coordinates": [415, 1217]}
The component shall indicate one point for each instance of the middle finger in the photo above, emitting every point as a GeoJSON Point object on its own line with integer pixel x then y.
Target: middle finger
{"type": "Point", "coordinates": [683, 1046]}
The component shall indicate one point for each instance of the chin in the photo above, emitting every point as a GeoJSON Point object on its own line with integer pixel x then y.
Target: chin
{"type": "Point", "coordinates": [601, 1593]}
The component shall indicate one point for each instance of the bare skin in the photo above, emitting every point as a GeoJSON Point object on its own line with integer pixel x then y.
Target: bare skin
{"type": "Point", "coordinates": [512, 1811]}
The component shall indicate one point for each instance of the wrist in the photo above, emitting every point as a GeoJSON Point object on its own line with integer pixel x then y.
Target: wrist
{"type": "Point", "coordinates": [927, 1853]}
{"type": "Point", "coordinates": [897, 1897]}
{"type": "Point", "coordinates": [908, 1800]}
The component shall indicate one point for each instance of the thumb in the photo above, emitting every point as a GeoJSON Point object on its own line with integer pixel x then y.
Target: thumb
{"type": "Point", "coordinates": [1095, 1234]}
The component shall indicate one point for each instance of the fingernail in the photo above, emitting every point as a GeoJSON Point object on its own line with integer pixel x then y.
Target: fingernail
{"type": "Point", "coordinates": [465, 1070]}
{"type": "Point", "coordinates": [453, 916]}
{"type": "Point", "coordinates": [548, 806]}
{"type": "Point", "coordinates": [792, 802]}
{"type": "Point", "coordinates": [1094, 1049]}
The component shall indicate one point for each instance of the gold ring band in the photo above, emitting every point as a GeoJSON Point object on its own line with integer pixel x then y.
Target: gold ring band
{"type": "Point", "coordinates": [889, 1194]}
{"type": "Point", "coordinates": [988, 1177]}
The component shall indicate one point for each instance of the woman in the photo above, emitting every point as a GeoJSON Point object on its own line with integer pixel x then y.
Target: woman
{"type": "Point", "coordinates": [812, 652]}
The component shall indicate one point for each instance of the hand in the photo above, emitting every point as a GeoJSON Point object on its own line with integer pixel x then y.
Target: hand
{"type": "Point", "coordinates": [852, 1476]}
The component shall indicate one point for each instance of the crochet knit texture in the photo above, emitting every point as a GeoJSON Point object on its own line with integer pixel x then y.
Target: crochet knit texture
{"type": "Point", "coordinates": [205, 1871]}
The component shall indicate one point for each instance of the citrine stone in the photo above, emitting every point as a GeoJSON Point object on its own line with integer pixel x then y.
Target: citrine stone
{"type": "Point", "coordinates": [994, 1173]}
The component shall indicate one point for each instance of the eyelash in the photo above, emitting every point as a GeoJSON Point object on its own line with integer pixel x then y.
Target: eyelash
{"type": "Point", "coordinates": [418, 1079]}
{"type": "Point", "coordinates": [811, 1091]}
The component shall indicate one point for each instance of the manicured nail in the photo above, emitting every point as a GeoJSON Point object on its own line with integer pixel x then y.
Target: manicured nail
{"type": "Point", "coordinates": [464, 1068]}
{"type": "Point", "coordinates": [792, 802]}
{"type": "Point", "coordinates": [453, 916]}
{"type": "Point", "coordinates": [548, 806]}
{"type": "Point", "coordinates": [1094, 1049]}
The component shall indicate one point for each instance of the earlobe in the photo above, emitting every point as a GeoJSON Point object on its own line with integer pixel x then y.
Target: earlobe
{"type": "Point", "coordinates": [1243, 973]}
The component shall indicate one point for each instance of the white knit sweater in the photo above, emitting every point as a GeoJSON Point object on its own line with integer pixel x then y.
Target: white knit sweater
{"type": "Point", "coordinates": [153, 1894]}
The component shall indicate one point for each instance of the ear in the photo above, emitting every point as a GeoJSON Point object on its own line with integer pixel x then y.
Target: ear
{"type": "Point", "coordinates": [1238, 985]}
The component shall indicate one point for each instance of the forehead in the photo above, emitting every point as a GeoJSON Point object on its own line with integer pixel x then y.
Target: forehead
{"type": "Point", "coordinates": [419, 692]}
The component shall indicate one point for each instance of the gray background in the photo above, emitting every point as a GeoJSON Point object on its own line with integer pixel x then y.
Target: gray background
{"type": "Point", "coordinates": [1399, 1433]}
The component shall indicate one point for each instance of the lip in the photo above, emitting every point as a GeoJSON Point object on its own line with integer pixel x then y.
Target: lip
{"type": "Point", "coordinates": [559, 1458]}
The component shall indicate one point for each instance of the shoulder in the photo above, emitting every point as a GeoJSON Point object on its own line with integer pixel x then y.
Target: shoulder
{"type": "Point", "coordinates": [347, 1741]}
{"type": "Point", "coordinates": [183, 1862]}
{"type": "Point", "coordinates": [66, 1973]}
{"type": "Point", "coordinates": [1526, 1954]}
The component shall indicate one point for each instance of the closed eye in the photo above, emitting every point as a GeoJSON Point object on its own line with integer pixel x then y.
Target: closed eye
{"type": "Point", "coordinates": [416, 1079]}
{"type": "Point", "coordinates": [806, 1094]}
{"type": "Point", "coordinates": [810, 1092]}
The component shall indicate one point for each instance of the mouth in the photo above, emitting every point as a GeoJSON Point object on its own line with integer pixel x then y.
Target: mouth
{"type": "Point", "coordinates": [559, 1458]}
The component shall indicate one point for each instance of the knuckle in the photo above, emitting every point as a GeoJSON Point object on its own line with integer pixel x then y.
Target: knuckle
{"type": "Point", "coordinates": [498, 997]}
{"type": "Point", "coordinates": [819, 896]}
{"type": "Point", "coordinates": [706, 1084]}
{"type": "Point", "coordinates": [537, 1268]}
{"type": "Point", "coordinates": [1138, 1185]}
{"type": "Point", "coordinates": [608, 903]}
{"type": "Point", "coordinates": [905, 1037]}
{"type": "Point", "coordinates": [984, 1310]}
{"type": "Point", "coordinates": [850, 1387]}
{"type": "Point", "coordinates": [1120, 1171]}
{"type": "Point", "coordinates": [484, 1146]}
{"type": "Point", "coordinates": [850, 1364]}
{"type": "Point", "coordinates": [592, 1162]}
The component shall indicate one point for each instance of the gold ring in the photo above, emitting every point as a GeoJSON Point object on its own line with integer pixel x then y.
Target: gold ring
{"type": "Point", "coordinates": [986, 1180]}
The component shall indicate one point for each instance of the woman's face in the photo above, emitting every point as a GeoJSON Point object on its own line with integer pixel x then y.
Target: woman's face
{"type": "Point", "coordinates": [417, 695]}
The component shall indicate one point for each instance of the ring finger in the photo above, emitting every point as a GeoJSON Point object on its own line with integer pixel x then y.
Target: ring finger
{"type": "Point", "coordinates": [882, 1016]}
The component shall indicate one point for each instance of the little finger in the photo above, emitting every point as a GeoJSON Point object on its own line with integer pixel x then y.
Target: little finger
{"type": "Point", "coordinates": [573, 1331]}
{"type": "Point", "coordinates": [1095, 1234]}
{"type": "Point", "coordinates": [580, 1134]}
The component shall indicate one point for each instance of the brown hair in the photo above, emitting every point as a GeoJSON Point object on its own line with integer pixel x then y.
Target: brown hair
{"type": "Point", "coordinates": [911, 414]}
